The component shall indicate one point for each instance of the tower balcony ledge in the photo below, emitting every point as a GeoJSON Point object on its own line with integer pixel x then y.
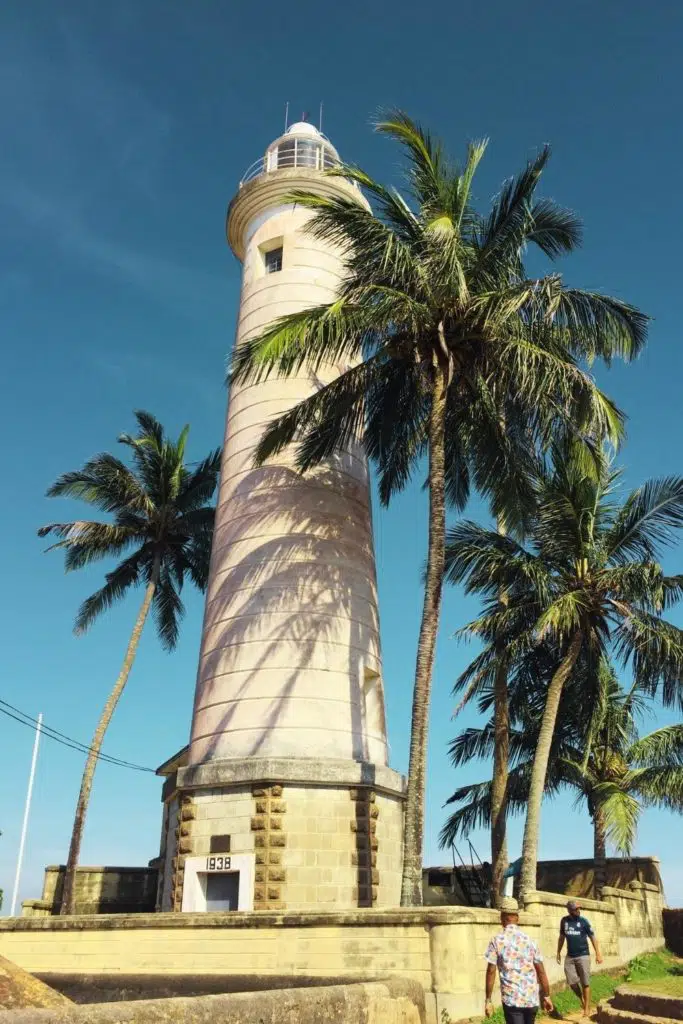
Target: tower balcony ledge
{"type": "Point", "coordinates": [293, 770]}
{"type": "Point", "coordinates": [271, 187]}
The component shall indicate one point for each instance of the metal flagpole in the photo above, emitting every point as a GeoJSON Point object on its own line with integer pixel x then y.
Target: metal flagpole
{"type": "Point", "coordinates": [27, 808]}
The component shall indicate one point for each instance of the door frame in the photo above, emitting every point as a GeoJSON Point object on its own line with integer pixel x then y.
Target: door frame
{"type": "Point", "coordinates": [196, 869]}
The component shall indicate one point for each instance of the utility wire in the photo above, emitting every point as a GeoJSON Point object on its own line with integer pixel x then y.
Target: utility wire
{"type": "Point", "coordinates": [66, 741]}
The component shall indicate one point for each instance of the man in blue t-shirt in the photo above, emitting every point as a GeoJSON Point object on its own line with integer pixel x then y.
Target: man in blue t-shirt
{"type": "Point", "coordinates": [576, 930]}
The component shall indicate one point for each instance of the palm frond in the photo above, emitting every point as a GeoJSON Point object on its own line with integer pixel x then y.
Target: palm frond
{"type": "Point", "coordinates": [200, 485]}
{"type": "Point", "coordinates": [159, 508]}
{"type": "Point", "coordinates": [329, 333]}
{"type": "Point", "coordinates": [86, 542]}
{"type": "Point", "coordinates": [148, 448]}
{"type": "Point", "coordinates": [396, 417]}
{"type": "Point", "coordinates": [168, 608]}
{"type": "Point", "coordinates": [479, 743]}
{"type": "Point", "coordinates": [475, 153]}
{"type": "Point", "coordinates": [554, 230]}
{"type": "Point", "coordinates": [198, 554]}
{"type": "Point", "coordinates": [654, 650]}
{"type": "Point", "coordinates": [344, 221]}
{"type": "Point", "coordinates": [659, 786]}
{"type": "Point", "coordinates": [620, 812]}
{"type": "Point", "coordinates": [540, 372]}
{"type": "Point", "coordinates": [599, 325]}
{"type": "Point", "coordinates": [329, 420]}
{"type": "Point", "coordinates": [475, 798]}
{"type": "Point", "coordinates": [648, 521]}
{"type": "Point", "coordinates": [635, 583]}
{"type": "Point", "coordinates": [149, 429]}
{"type": "Point", "coordinates": [105, 482]}
{"type": "Point", "coordinates": [563, 616]}
{"type": "Point", "coordinates": [126, 575]}
{"type": "Point", "coordinates": [474, 813]}
{"type": "Point", "coordinates": [504, 229]}
{"type": "Point", "coordinates": [487, 561]}
{"type": "Point", "coordinates": [501, 458]}
{"type": "Point", "coordinates": [425, 156]}
{"type": "Point", "coordinates": [663, 747]}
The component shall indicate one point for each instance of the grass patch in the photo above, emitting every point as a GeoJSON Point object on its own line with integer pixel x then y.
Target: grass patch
{"type": "Point", "coordinates": [654, 967]}
{"type": "Point", "coordinates": [663, 968]}
{"type": "Point", "coordinates": [672, 986]}
{"type": "Point", "coordinates": [602, 987]}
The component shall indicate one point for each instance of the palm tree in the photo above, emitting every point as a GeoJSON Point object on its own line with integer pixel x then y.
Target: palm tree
{"type": "Point", "coordinates": [161, 511]}
{"type": "Point", "coordinates": [455, 356]}
{"type": "Point", "coordinates": [612, 770]}
{"type": "Point", "coordinates": [585, 586]}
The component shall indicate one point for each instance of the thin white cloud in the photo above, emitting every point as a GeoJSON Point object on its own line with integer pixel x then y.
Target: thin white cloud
{"type": "Point", "coordinates": [148, 272]}
{"type": "Point", "coordinates": [82, 140]}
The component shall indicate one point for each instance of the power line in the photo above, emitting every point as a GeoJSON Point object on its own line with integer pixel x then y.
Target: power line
{"type": "Point", "coordinates": [27, 719]}
{"type": "Point", "coordinates": [66, 741]}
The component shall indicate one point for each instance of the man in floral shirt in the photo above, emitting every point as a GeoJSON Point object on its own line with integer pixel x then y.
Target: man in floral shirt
{"type": "Point", "coordinates": [520, 965]}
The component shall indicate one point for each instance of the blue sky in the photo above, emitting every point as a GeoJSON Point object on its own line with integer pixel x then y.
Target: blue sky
{"type": "Point", "coordinates": [125, 130]}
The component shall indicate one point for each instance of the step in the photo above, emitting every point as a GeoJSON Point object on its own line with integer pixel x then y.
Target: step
{"type": "Point", "coordinates": [608, 1014]}
{"type": "Point", "coordinates": [653, 1004]}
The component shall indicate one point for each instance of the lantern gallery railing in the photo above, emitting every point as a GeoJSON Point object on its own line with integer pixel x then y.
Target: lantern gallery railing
{"type": "Point", "coordinates": [293, 152]}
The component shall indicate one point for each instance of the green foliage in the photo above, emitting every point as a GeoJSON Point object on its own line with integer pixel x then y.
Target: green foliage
{"type": "Point", "coordinates": [160, 509]}
{"type": "Point", "coordinates": [597, 753]}
{"type": "Point", "coordinates": [652, 967]}
{"type": "Point", "coordinates": [588, 566]}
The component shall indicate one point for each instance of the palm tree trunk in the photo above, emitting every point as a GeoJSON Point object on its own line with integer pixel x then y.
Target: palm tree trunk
{"type": "Point", "coordinates": [499, 781]}
{"type": "Point", "coordinates": [599, 852]}
{"type": "Point", "coordinates": [413, 824]}
{"type": "Point", "coordinates": [501, 759]}
{"type": "Point", "coordinates": [540, 765]}
{"type": "Point", "coordinates": [67, 904]}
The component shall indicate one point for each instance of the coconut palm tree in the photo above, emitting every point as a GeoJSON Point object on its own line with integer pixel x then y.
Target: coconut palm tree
{"type": "Point", "coordinates": [455, 356]}
{"type": "Point", "coordinates": [586, 585]}
{"type": "Point", "coordinates": [162, 520]}
{"type": "Point", "coordinates": [614, 772]}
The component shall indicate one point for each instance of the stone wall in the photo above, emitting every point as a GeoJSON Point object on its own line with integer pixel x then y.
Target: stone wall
{"type": "Point", "coordinates": [577, 877]}
{"type": "Point", "coordinates": [441, 886]}
{"type": "Point", "coordinates": [389, 1002]}
{"type": "Point", "coordinates": [98, 890]}
{"type": "Point", "coordinates": [167, 851]}
{"type": "Point", "coordinates": [639, 926]}
{"type": "Point", "coordinates": [441, 948]}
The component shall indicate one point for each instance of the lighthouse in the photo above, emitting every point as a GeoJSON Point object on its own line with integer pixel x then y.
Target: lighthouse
{"type": "Point", "coordinates": [283, 799]}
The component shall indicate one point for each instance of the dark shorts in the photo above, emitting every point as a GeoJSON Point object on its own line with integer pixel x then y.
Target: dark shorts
{"type": "Point", "coordinates": [577, 970]}
{"type": "Point", "coordinates": [520, 1014]}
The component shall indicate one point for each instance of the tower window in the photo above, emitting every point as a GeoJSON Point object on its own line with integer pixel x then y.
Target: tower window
{"type": "Point", "coordinates": [273, 260]}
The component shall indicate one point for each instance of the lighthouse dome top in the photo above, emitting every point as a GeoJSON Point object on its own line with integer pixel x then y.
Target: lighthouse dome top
{"type": "Point", "coordinates": [302, 146]}
{"type": "Point", "coordinates": [304, 128]}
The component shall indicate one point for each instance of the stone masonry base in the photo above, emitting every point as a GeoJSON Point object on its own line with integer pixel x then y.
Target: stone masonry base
{"type": "Point", "coordinates": [327, 843]}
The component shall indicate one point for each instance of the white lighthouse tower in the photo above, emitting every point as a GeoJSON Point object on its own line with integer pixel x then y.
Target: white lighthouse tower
{"type": "Point", "coordinates": [284, 799]}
